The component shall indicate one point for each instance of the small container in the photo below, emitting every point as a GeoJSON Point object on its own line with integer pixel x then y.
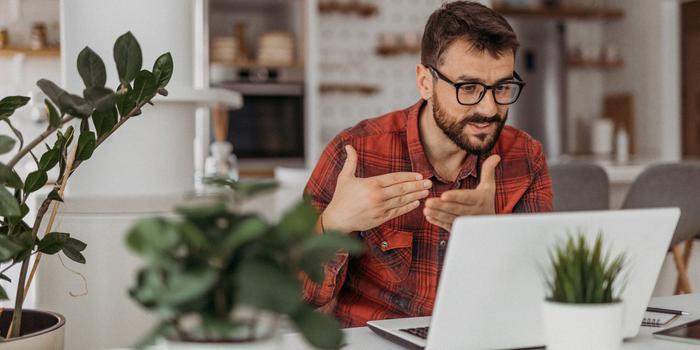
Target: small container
{"type": "Point", "coordinates": [38, 39]}
{"type": "Point", "coordinates": [621, 145]}
{"type": "Point", "coordinates": [4, 37]}
{"type": "Point", "coordinates": [602, 136]}
{"type": "Point", "coordinates": [222, 162]}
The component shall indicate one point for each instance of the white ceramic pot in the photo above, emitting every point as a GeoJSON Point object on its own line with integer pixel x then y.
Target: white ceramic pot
{"type": "Point", "coordinates": [583, 326]}
{"type": "Point", "coordinates": [42, 330]}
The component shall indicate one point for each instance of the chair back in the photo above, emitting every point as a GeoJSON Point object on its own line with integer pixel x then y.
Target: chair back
{"type": "Point", "coordinates": [579, 186]}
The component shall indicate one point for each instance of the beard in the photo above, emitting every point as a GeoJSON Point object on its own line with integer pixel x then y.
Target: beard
{"type": "Point", "coordinates": [455, 129]}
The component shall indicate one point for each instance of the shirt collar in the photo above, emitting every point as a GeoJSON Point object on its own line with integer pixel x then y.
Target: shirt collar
{"type": "Point", "coordinates": [419, 161]}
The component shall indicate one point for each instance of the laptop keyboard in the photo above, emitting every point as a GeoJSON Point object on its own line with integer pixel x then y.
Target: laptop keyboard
{"type": "Point", "coordinates": [420, 332]}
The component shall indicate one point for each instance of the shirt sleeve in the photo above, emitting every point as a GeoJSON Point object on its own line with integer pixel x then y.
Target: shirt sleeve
{"type": "Point", "coordinates": [539, 196]}
{"type": "Point", "coordinates": [320, 189]}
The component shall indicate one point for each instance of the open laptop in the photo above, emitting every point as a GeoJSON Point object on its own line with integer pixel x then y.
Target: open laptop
{"type": "Point", "coordinates": [492, 284]}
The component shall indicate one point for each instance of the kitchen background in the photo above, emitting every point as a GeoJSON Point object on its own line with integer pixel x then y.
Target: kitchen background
{"type": "Point", "coordinates": [306, 69]}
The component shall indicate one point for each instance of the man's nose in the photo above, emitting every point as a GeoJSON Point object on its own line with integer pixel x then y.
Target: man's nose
{"type": "Point", "coordinates": [487, 105]}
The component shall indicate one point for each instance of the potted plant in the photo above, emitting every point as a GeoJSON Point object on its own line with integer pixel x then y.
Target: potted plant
{"type": "Point", "coordinates": [77, 126]}
{"type": "Point", "coordinates": [583, 309]}
{"type": "Point", "coordinates": [218, 278]}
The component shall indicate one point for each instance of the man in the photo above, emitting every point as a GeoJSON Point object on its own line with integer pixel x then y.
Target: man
{"type": "Point", "coordinates": [399, 181]}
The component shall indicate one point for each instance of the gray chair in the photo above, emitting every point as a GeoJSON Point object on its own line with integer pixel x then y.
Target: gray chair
{"type": "Point", "coordinates": [579, 186]}
{"type": "Point", "coordinates": [672, 185]}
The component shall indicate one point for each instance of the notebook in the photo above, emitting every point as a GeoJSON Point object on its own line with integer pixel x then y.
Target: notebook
{"type": "Point", "coordinates": [657, 319]}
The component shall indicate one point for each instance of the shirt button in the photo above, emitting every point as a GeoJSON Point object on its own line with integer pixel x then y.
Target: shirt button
{"type": "Point", "coordinates": [385, 244]}
{"type": "Point", "coordinates": [443, 243]}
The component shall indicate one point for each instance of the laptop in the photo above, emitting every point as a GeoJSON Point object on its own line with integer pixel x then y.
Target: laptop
{"type": "Point", "coordinates": [493, 284]}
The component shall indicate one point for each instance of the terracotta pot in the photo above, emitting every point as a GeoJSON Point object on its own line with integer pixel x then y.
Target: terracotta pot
{"type": "Point", "coordinates": [41, 330]}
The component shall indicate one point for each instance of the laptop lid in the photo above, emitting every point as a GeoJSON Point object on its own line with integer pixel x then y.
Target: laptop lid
{"type": "Point", "coordinates": [493, 283]}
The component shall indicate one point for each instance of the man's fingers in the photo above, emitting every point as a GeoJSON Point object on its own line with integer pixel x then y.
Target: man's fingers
{"type": "Point", "coordinates": [399, 201]}
{"type": "Point", "coordinates": [439, 223]}
{"type": "Point", "coordinates": [350, 164]}
{"type": "Point", "coordinates": [449, 207]}
{"type": "Point", "coordinates": [403, 188]}
{"type": "Point", "coordinates": [439, 215]}
{"type": "Point", "coordinates": [488, 171]}
{"type": "Point", "coordinates": [390, 179]}
{"type": "Point", "coordinates": [392, 213]}
{"type": "Point", "coordinates": [467, 197]}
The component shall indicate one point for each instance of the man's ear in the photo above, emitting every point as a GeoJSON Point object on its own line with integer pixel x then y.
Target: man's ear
{"type": "Point", "coordinates": [424, 82]}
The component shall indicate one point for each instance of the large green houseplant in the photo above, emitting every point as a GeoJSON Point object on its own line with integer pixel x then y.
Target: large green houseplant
{"type": "Point", "coordinates": [211, 263]}
{"type": "Point", "coordinates": [583, 309]}
{"type": "Point", "coordinates": [77, 126]}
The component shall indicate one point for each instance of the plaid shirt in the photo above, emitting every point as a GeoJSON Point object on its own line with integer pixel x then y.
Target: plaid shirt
{"type": "Point", "coordinates": [397, 276]}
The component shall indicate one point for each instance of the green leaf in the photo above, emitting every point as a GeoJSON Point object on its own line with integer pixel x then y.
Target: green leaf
{"type": "Point", "coordinates": [73, 254]}
{"type": "Point", "coordinates": [76, 244]}
{"type": "Point", "coordinates": [255, 281]}
{"type": "Point", "coordinates": [52, 242]}
{"type": "Point", "coordinates": [3, 294]}
{"type": "Point", "coordinates": [6, 144]}
{"type": "Point", "coordinates": [49, 159]}
{"type": "Point", "coordinates": [91, 68]}
{"type": "Point", "coordinates": [9, 177]}
{"type": "Point", "coordinates": [127, 56]}
{"type": "Point", "coordinates": [100, 97]}
{"type": "Point", "coordinates": [105, 121]}
{"type": "Point", "coordinates": [55, 196]}
{"type": "Point", "coordinates": [8, 248]}
{"type": "Point", "coordinates": [54, 117]}
{"type": "Point", "coordinates": [35, 180]}
{"type": "Point", "coordinates": [145, 86]}
{"type": "Point", "coordinates": [163, 69]}
{"type": "Point", "coordinates": [149, 287]}
{"type": "Point", "coordinates": [9, 104]}
{"type": "Point", "coordinates": [23, 211]}
{"type": "Point", "coordinates": [152, 237]}
{"type": "Point", "coordinates": [202, 212]}
{"type": "Point", "coordinates": [246, 231]}
{"type": "Point", "coordinates": [320, 330]}
{"type": "Point", "coordinates": [86, 145]}
{"type": "Point", "coordinates": [127, 102]}
{"type": "Point", "coordinates": [299, 221]}
{"type": "Point", "coordinates": [319, 250]}
{"type": "Point", "coordinates": [8, 204]}
{"type": "Point", "coordinates": [189, 285]}
{"type": "Point", "coordinates": [67, 103]}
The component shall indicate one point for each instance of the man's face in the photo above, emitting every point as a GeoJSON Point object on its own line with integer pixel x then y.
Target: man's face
{"type": "Point", "coordinates": [474, 128]}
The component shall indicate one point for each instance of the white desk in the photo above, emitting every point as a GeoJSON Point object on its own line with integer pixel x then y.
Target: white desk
{"type": "Point", "coordinates": [362, 338]}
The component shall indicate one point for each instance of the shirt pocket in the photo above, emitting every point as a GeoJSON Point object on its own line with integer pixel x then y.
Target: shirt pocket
{"type": "Point", "coordinates": [388, 255]}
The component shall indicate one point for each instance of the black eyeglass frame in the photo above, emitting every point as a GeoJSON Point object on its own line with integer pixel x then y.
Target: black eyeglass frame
{"type": "Point", "coordinates": [436, 73]}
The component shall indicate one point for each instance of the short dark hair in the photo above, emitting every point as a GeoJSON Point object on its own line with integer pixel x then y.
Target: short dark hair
{"type": "Point", "coordinates": [484, 28]}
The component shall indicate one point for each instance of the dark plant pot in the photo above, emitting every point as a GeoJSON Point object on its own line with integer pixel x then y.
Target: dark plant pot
{"type": "Point", "coordinates": [41, 330]}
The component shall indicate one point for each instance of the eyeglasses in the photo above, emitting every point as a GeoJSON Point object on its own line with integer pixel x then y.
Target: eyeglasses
{"type": "Point", "coordinates": [471, 93]}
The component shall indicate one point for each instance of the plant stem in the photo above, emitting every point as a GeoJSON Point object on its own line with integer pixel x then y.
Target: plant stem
{"type": "Point", "coordinates": [16, 324]}
{"type": "Point", "coordinates": [21, 290]}
{"type": "Point", "coordinates": [48, 132]}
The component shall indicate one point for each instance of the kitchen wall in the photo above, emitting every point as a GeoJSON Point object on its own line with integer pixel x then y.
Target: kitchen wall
{"type": "Point", "coordinates": [648, 40]}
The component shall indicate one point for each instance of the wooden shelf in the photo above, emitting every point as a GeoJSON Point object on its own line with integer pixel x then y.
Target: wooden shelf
{"type": "Point", "coordinates": [332, 6]}
{"type": "Point", "coordinates": [364, 89]}
{"type": "Point", "coordinates": [49, 52]}
{"type": "Point", "coordinates": [561, 12]}
{"type": "Point", "coordinates": [593, 64]}
{"type": "Point", "coordinates": [393, 51]}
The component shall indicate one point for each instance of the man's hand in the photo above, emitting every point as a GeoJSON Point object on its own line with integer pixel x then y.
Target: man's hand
{"type": "Point", "coordinates": [360, 204]}
{"type": "Point", "coordinates": [451, 204]}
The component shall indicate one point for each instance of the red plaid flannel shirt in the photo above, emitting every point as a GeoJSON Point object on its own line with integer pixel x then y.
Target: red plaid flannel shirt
{"type": "Point", "coordinates": [397, 275]}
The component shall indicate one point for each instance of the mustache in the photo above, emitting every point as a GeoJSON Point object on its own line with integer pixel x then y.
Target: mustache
{"type": "Point", "coordinates": [478, 118]}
